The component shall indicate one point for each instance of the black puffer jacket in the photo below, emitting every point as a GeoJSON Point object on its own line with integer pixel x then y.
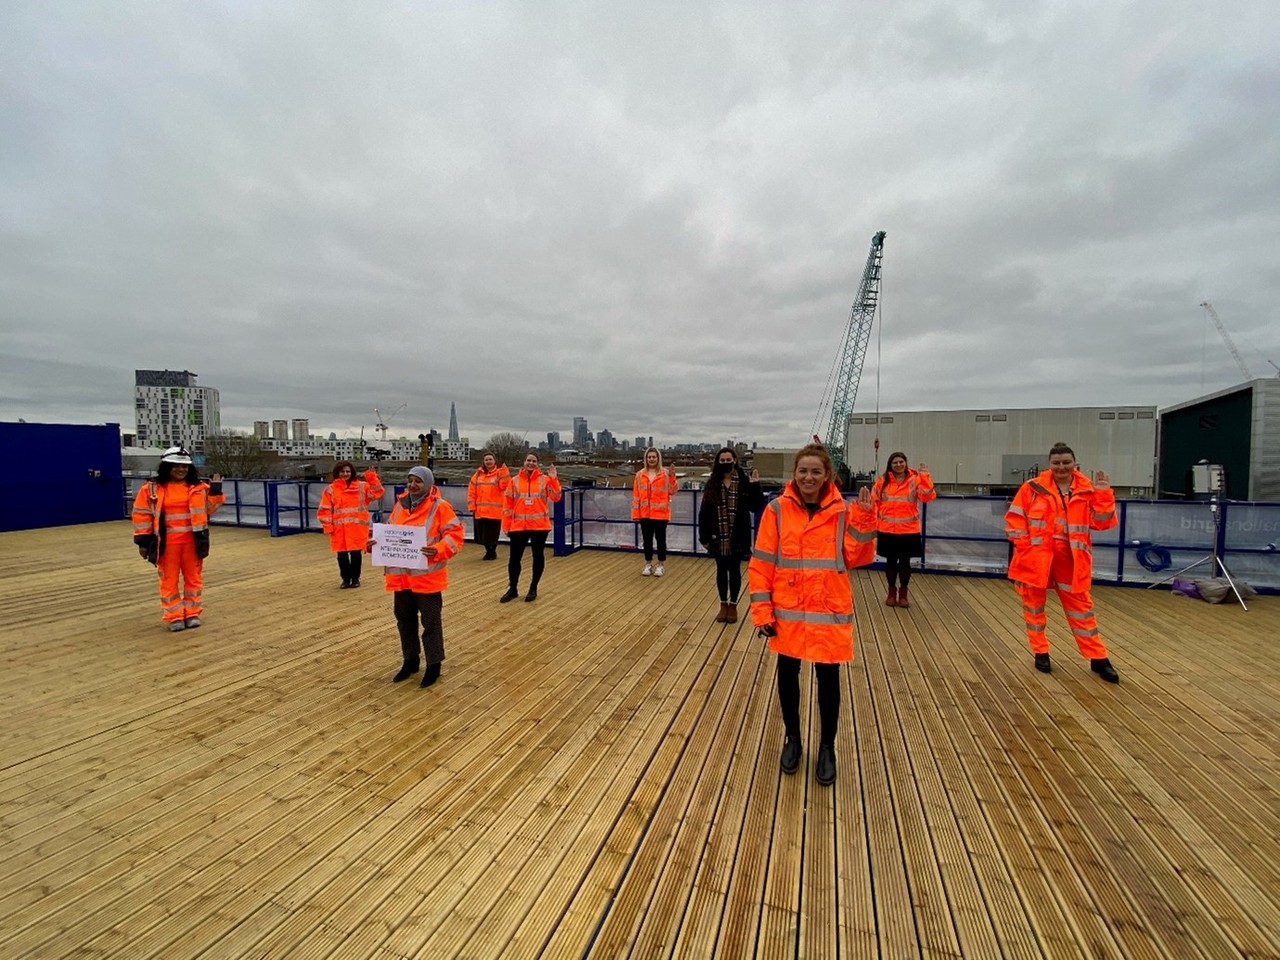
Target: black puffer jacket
{"type": "Point", "coordinates": [750, 498]}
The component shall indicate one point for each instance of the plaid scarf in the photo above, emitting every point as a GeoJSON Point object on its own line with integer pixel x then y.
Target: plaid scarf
{"type": "Point", "coordinates": [726, 510]}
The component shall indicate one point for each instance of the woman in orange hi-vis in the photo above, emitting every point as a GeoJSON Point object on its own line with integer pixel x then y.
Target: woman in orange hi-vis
{"type": "Point", "coordinates": [898, 494]}
{"type": "Point", "coordinates": [418, 593]}
{"type": "Point", "coordinates": [651, 505]}
{"type": "Point", "coordinates": [526, 519]}
{"type": "Point", "coordinates": [484, 500]}
{"type": "Point", "coordinates": [1049, 523]}
{"type": "Point", "coordinates": [344, 515]}
{"type": "Point", "coordinates": [171, 529]}
{"type": "Point", "coordinates": [801, 597]}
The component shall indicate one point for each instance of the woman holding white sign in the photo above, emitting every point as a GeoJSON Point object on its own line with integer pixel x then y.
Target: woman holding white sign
{"type": "Point", "coordinates": [419, 590]}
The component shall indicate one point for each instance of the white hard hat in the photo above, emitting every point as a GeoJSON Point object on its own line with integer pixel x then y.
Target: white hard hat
{"type": "Point", "coordinates": [176, 455]}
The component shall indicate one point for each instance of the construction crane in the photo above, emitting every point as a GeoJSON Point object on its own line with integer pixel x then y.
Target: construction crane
{"type": "Point", "coordinates": [844, 388]}
{"type": "Point", "coordinates": [381, 425]}
{"type": "Point", "coordinates": [1213, 315]}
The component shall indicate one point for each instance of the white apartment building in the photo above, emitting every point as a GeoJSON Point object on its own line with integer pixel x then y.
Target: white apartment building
{"type": "Point", "coordinates": [171, 410]}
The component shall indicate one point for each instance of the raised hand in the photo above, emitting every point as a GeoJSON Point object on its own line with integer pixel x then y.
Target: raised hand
{"type": "Point", "coordinates": [864, 498]}
{"type": "Point", "coordinates": [551, 471]}
{"type": "Point", "coordinates": [216, 478]}
{"type": "Point", "coordinates": [1100, 480]}
{"type": "Point", "coordinates": [921, 468]}
{"type": "Point", "coordinates": [755, 475]}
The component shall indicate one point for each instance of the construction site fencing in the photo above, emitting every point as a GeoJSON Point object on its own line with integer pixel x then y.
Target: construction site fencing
{"type": "Point", "coordinates": [965, 535]}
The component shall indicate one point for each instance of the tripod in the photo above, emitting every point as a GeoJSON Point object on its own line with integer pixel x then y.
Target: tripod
{"type": "Point", "coordinates": [1216, 564]}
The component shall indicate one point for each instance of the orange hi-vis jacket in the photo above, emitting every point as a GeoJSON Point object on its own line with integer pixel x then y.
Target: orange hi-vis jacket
{"type": "Point", "coordinates": [651, 496]}
{"type": "Point", "coordinates": [444, 532]}
{"type": "Point", "coordinates": [344, 511]}
{"type": "Point", "coordinates": [799, 574]}
{"type": "Point", "coordinates": [897, 503]}
{"type": "Point", "coordinates": [153, 524]}
{"type": "Point", "coordinates": [526, 503]}
{"type": "Point", "coordinates": [484, 493]}
{"type": "Point", "coordinates": [1037, 517]}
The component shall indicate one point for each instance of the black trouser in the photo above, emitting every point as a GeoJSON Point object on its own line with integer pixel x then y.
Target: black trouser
{"type": "Point", "coordinates": [895, 567]}
{"type": "Point", "coordinates": [728, 578]}
{"type": "Point", "coordinates": [650, 529]}
{"type": "Point", "coordinates": [349, 564]}
{"type": "Point", "coordinates": [537, 543]}
{"type": "Point", "coordinates": [487, 531]}
{"type": "Point", "coordinates": [828, 697]}
{"type": "Point", "coordinates": [409, 607]}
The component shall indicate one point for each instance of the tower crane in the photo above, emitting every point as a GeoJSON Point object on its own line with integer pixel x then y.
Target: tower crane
{"type": "Point", "coordinates": [381, 425]}
{"type": "Point", "coordinates": [1213, 315]}
{"type": "Point", "coordinates": [844, 389]}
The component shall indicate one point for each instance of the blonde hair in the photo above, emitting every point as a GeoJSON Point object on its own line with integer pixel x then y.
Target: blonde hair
{"type": "Point", "coordinates": [650, 450]}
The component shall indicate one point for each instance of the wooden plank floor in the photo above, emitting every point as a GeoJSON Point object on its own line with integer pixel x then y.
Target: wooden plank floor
{"type": "Point", "coordinates": [596, 773]}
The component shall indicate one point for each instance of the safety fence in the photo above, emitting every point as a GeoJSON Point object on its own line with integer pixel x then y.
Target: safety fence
{"type": "Point", "coordinates": [1153, 539]}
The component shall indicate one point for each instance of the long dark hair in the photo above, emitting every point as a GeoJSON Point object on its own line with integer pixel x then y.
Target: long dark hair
{"type": "Point", "coordinates": [888, 470]}
{"type": "Point", "coordinates": [337, 470]}
{"type": "Point", "coordinates": [715, 488]}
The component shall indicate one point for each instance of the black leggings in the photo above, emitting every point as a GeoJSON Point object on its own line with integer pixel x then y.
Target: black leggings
{"type": "Point", "coordinates": [349, 564]}
{"type": "Point", "coordinates": [828, 697]}
{"type": "Point", "coordinates": [728, 578]}
{"type": "Point", "coordinates": [537, 542]}
{"type": "Point", "coordinates": [895, 568]}
{"type": "Point", "coordinates": [651, 529]}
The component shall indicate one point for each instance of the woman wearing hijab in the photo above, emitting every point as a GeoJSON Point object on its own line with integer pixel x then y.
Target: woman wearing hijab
{"type": "Point", "coordinates": [729, 502]}
{"type": "Point", "coordinates": [418, 593]}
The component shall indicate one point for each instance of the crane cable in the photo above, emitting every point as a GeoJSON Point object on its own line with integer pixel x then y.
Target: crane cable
{"type": "Point", "coordinates": [879, 353]}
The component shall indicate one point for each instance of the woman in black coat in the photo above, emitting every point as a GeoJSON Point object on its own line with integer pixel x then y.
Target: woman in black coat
{"type": "Point", "coordinates": [729, 502]}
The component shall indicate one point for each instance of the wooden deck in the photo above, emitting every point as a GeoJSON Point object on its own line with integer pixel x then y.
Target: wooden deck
{"type": "Point", "coordinates": [596, 774]}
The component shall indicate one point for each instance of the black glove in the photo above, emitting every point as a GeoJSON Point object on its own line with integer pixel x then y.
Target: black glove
{"type": "Point", "coordinates": [767, 631]}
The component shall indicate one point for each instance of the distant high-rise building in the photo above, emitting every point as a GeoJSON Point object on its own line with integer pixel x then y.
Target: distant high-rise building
{"type": "Point", "coordinates": [453, 422]}
{"type": "Point", "coordinates": [261, 429]}
{"type": "Point", "coordinates": [640, 444]}
{"type": "Point", "coordinates": [553, 440]}
{"type": "Point", "coordinates": [604, 438]}
{"type": "Point", "coordinates": [279, 429]}
{"type": "Point", "coordinates": [301, 430]}
{"type": "Point", "coordinates": [581, 435]}
{"type": "Point", "coordinates": [171, 410]}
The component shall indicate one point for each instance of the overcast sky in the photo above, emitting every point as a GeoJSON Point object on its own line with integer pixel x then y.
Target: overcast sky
{"type": "Point", "coordinates": [653, 215]}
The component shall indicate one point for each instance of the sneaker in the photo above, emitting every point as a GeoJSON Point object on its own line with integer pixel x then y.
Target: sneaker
{"type": "Point", "coordinates": [658, 571]}
{"type": "Point", "coordinates": [1105, 670]}
{"type": "Point", "coordinates": [790, 761]}
{"type": "Point", "coordinates": [648, 569]}
{"type": "Point", "coordinates": [825, 769]}
{"type": "Point", "coordinates": [176, 625]}
{"type": "Point", "coordinates": [1042, 663]}
{"type": "Point", "coordinates": [193, 622]}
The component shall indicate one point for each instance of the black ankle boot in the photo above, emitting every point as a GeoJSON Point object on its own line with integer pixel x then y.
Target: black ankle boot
{"type": "Point", "coordinates": [825, 768]}
{"type": "Point", "coordinates": [431, 675]}
{"type": "Point", "coordinates": [790, 760]}
{"type": "Point", "coordinates": [406, 671]}
{"type": "Point", "coordinates": [1042, 663]}
{"type": "Point", "coordinates": [1105, 670]}
{"type": "Point", "coordinates": [510, 595]}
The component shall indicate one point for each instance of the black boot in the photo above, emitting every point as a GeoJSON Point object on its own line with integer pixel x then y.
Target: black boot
{"type": "Point", "coordinates": [532, 595]}
{"type": "Point", "coordinates": [431, 675]}
{"type": "Point", "coordinates": [791, 750]}
{"type": "Point", "coordinates": [406, 671]}
{"type": "Point", "coordinates": [1105, 670]}
{"type": "Point", "coordinates": [825, 768]}
{"type": "Point", "coordinates": [510, 595]}
{"type": "Point", "coordinates": [1042, 663]}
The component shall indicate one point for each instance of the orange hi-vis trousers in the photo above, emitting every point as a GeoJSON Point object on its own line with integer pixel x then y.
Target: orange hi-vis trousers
{"type": "Point", "coordinates": [180, 603]}
{"type": "Point", "coordinates": [1077, 606]}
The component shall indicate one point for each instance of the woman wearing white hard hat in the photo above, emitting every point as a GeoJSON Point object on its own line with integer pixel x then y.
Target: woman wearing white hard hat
{"type": "Point", "coordinates": [171, 529]}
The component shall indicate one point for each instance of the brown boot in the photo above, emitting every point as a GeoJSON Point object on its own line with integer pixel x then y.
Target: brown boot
{"type": "Point", "coordinates": [730, 613]}
{"type": "Point", "coordinates": [892, 599]}
{"type": "Point", "coordinates": [902, 597]}
{"type": "Point", "coordinates": [720, 617]}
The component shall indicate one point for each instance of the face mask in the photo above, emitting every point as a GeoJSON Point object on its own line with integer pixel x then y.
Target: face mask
{"type": "Point", "coordinates": [723, 468]}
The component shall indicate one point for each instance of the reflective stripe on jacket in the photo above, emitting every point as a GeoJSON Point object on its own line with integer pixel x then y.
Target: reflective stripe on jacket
{"type": "Point", "coordinates": [651, 496]}
{"type": "Point", "coordinates": [344, 511]}
{"type": "Point", "coordinates": [1037, 516]}
{"type": "Point", "coordinates": [151, 524]}
{"type": "Point", "coordinates": [799, 574]}
{"type": "Point", "coordinates": [444, 532]}
{"type": "Point", "coordinates": [897, 504]}
{"type": "Point", "coordinates": [526, 504]}
{"type": "Point", "coordinates": [484, 493]}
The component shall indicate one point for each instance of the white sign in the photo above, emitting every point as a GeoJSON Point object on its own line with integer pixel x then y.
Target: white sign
{"type": "Point", "coordinates": [397, 545]}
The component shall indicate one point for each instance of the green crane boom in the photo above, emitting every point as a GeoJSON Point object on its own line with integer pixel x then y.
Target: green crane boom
{"type": "Point", "coordinates": [854, 352]}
